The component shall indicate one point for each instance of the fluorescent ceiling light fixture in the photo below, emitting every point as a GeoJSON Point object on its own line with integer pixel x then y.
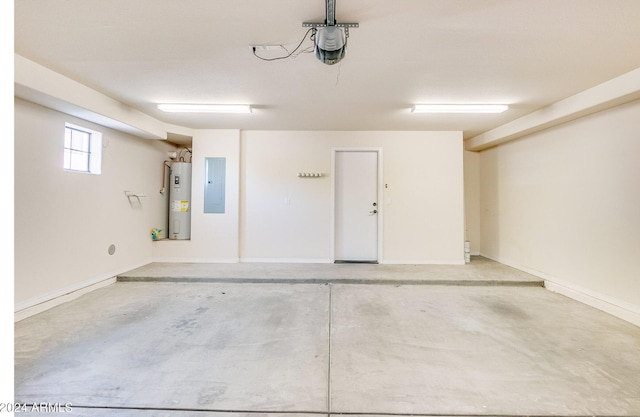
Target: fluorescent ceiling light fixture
{"type": "Point", "coordinates": [205, 108]}
{"type": "Point", "coordinates": [459, 108]}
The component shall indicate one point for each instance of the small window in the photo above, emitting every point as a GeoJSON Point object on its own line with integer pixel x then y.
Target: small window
{"type": "Point", "coordinates": [82, 150]}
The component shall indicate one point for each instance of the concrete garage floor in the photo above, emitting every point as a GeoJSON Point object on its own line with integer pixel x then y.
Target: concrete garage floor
{"type": "Point", "coordinates": [259, 341]}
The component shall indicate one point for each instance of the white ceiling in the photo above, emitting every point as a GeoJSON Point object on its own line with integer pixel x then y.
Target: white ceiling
{"type": "Point", "coordinates": [525, 53]}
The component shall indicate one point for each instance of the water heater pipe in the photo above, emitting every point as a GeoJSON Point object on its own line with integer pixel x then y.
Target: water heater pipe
{"type": "Point", "coordinates": [164, 176]}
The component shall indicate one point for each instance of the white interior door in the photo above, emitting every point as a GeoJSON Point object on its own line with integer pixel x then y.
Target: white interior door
{"type": "Point", "coordinates": [356, 206]}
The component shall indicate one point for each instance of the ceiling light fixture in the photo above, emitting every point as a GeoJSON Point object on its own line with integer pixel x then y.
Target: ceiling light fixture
{"type": "Point", "coordinates": [459, 108]}
{"type": "Point", "coordinates": [205, 108]}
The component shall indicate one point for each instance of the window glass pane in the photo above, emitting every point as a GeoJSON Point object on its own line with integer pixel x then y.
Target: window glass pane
{"type": "Point", "coordinates": [79, 161]}
{"type": "Point", "coordinates": [75, 140]}
{"type": "Point", "coordinates": [79, 141]}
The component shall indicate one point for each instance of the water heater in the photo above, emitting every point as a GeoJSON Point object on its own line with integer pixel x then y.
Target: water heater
{"type": "Point", "coordinates": [180, 201]}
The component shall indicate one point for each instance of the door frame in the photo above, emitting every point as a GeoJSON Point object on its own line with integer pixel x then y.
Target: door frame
{"type": "Point", "coordinates": [380, 201]}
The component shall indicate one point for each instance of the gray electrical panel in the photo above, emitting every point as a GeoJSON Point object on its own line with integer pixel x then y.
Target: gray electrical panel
{"type": "Point", "coordinates": [214, 184]}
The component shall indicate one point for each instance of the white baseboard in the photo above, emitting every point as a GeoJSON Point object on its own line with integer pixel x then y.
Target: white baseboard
{"type": "Point", "coordinates": [287, 260]}
{"type": "Point", "coordinates": [44, 302]}
{"type": "Point", "coordinates": [421, 262]}
{"type": "Point", "coordinates": [329, 261]}
{"type": "Point", "coordinates": [618, 308]}
{"type": "Point", "coordinates": [198, 260]}
{"type": "Point", "coordinates": [23, 312]}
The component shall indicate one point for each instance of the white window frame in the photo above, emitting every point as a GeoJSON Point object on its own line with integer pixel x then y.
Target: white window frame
{"type": "Point", "coordinates": [93, 153]}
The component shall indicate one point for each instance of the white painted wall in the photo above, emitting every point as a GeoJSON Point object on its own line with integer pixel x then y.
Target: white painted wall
{"type": "Point", "coordinates": [274, 216]}
{"type": "Point", "coordinates": [564, 203]}
{"type": "Point", "coordinates": [286, 218]}
{"type": "Point", "coordinates": [214, 236]}
{"type": "Point", "coordinates": [64, 222]}
{"type": "Point", "coordinates": [472, 200]}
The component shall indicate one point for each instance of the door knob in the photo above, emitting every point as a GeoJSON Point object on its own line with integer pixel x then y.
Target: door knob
{"type": "Point", "coordinates": [373, 212]}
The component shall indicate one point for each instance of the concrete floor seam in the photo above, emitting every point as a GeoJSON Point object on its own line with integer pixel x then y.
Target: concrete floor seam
{"type": "Point", "coordinates": [329, 351]}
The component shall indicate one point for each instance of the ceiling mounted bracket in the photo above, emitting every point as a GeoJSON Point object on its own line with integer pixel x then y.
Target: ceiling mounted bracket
{"type": "Point", "coordinates": [330, 18]}
{"type": "Point", "coordinates": [323, 25]}
{"type": "Point", "coordinates": [346, 26]}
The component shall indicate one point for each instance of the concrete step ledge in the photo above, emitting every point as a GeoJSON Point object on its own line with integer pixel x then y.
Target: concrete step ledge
{"type": "Point", "coordinates": [337, 281]}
